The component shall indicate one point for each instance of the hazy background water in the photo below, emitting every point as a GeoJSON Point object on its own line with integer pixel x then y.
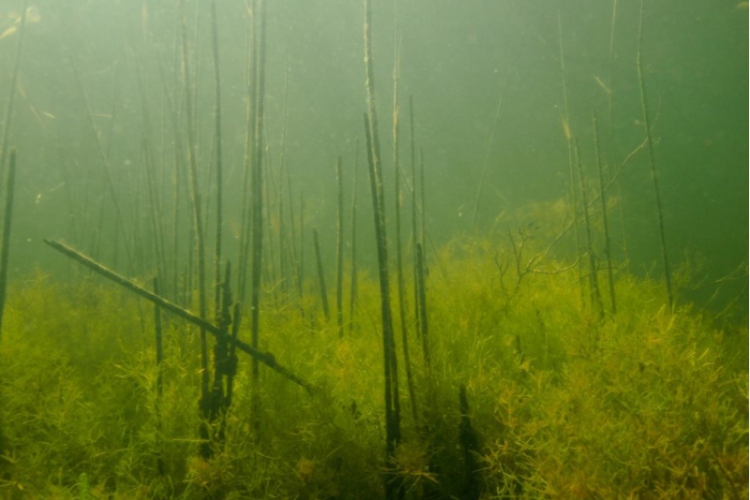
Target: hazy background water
{"type": "Point", "coordinates": [456, 58]}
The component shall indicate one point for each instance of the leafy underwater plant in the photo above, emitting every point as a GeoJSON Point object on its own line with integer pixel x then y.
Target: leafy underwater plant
{"type": "Point", "coordinates": [651, 402]}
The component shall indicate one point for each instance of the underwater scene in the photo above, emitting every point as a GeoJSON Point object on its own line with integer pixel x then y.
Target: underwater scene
{"type": "Point", "coordinates": [366, 249]}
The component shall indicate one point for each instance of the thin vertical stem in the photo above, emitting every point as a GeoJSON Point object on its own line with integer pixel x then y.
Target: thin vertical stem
{"type": "Point", "coordinates": [423, 305]}
{"type": "Point", "coordinates": [571, 162]}
{"type": "Point", "coordinates": [486, 163]}
{"type": "Point", "coordinates": [248, 158]}
{"type": "Point", "coordinates": [217, 146]}
{"type": "Point", "coordinates": [12, 92]}
{"type": "Point", "coordinates": [7, 219]}
{"type": "Point", "coordinates": [354, 272]}
{"type": "Point", "coordinates": [393, 488]}
{"type": "Point", "coordinates": [257, 198]}
{"type": "Point", "coordinates": [605, 218]}
{"type": "Point", "coordinates": [321, 276]}
{"type": "Point", "coordinates": [159, 376]}
{"type": "Point", "coordinates": [397, 199]}
{"type": "Point", "coordinates": [198, 234]}
{"type": "Point", "coordinates": [340, 250]}
{"type": "Point", "coordinates": [652, 165]}
{"type": "Point", "coordinates": [596, 297]}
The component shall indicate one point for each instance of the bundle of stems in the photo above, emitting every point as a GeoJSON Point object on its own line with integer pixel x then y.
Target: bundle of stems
{"type": "Point", "coordinates": [652, 164]}
{"type": "Point", "coordinates": [393, 489]}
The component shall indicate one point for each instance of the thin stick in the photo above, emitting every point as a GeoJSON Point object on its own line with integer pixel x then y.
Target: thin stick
{"type": "Point", "coordinates": [236, 320]}
{"type": "Point", "coordinates": [105, 164]}
{"type": "Point", "coordinates": [283, 169]}
{"type": "Point", "coordinates": [392, 405]}
{"type": "Point", "coordinates": [257, 197]}
{"type": "Point", "coordinates": [596, 296]}
{"type": "Point", "coordinates": [610, 116]}
{"type": "Point", "coordinates": [340, 250]}
{"type": "Point", "coordinates": [353, 291]}
{"type": "Point", "coordinates": [266, 358]}
{"type": "Point", "coordinates": [7, 218]}
{"type": "Point", "coordinates": [571, 162]}
{"type": "Point", "coordinates": [423, 305]}
{"type": "Point", "coordinates": [159, 377]}
{"type": "Point", "coordinates": [219, 169]}
{"type": "Point", "coordinates": [301, 245]}
{"type": "Point", "coordinates": [153, 199]}
{"type": "Point", "coordinates": [197, 219]}
{"type": "Point", "coordinates": [414, 215]}
{"type": "Point", "coordinates": [321, 276]}
{"type": "Point", "coordinates": [652, 165]}
{"type": "Point", "coordinates": [605, 218]}
{"type": "Point", "coordinates": [486, 163]}
{"type": "Point", "coordinates": [397, 196]}
{"type": "Point", "coordinates": [247, 172]}
{"type": "Point", "coordinates": [12, 97]}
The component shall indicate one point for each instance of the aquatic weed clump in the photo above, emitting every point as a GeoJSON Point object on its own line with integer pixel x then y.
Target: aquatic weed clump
{"type": "Point", "coordinates": [650, 402]}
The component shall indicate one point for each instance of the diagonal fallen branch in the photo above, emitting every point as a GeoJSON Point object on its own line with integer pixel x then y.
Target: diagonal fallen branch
{"type": "Point", "coordinates": [266, 358]}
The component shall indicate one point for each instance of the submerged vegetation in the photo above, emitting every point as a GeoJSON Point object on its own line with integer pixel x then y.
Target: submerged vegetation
{"type": "Point", "coordinates": [652, 404]}
{"type": "Point", "coordinates": [188, 350]}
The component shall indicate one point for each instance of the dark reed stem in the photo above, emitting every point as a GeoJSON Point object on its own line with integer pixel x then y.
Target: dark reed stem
{"type": "Point", "coordinates": [100, 226]}
{"type": "Point", "coordinates": [392, 415]}
{"type": "Point", "coordinates": [223, 366]}
{"type": "Point", "coordinates": [8, 120]}
{"type": "Point", "coordinates": [321, 276]}
{"type": "Point", "coordinates": [159, 349]}
{"type": "Point", "coordinates": [10, 183]}
{"type": "Point", "coordinates": [197, 219]}
{"type": "Point", "coordinates": [257, 196]}
{"type": "Point", "coordinates": [266, 358]}
{"type": "Point", "coordinates": [270, 241]}
{"type": "Point", "coordinates": [611, 131]}
{"type": "Point", "coordinates": [294, 260]}
{"type": "Point", "coordinates": [414, 215]}
{"type": "Point", "coordinates": [153, 198]}
{"type": "Point", "coordinates": [486, 163]}
{"type": "Point", "coordinates": [469, 441]}
{"type": "Point", "coordinates": [423, 305]}
{"type": "Point", "coordinates": [397, 214]}
{"type": "Point", "coordinates": [652, 165]}
{"type": "Point", "coordinates": [275, 247]}
{"type": "Point", "coordinates": [248, 158]}
{"type": "Point", "coordinates": [196, 117]}
{"type": "Point", "coordinates": [301, 244]}
{"type": "Point", "coordinates": [605, 218]}
{"type": "Point", "coordinates": [571, 162]}
{"type": "Point", "coordinates": [353, 292]}
{"type": "Point", "coordinates": [422, 221]}
{"type": "Point", "coordinates": [340, 249]}
{"type": "Point", "coordinates": [236, 321]}
{"type": "Point", "coordinates": [283, 170]}
{"type": "Point", "coordinates": [596, 296]}
{"type": "Point", "coordinates": [179, 174]}
{"type": "Point", "coordinates": [393, 486]}
{"type": "Point", "coordinates": [217, 148]}
{"type": "Point", "coordinates": [159, 378]}
{"type": "Point", "coordinates": [105, 164]}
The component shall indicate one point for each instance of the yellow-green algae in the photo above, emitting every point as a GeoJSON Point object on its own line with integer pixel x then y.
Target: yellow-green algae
{"type": "Point", "coordinates": [650, 403]}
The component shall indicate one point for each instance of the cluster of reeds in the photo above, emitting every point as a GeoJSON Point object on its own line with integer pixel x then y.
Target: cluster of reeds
{"type": "Point", "coordinates": [504, 327]}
